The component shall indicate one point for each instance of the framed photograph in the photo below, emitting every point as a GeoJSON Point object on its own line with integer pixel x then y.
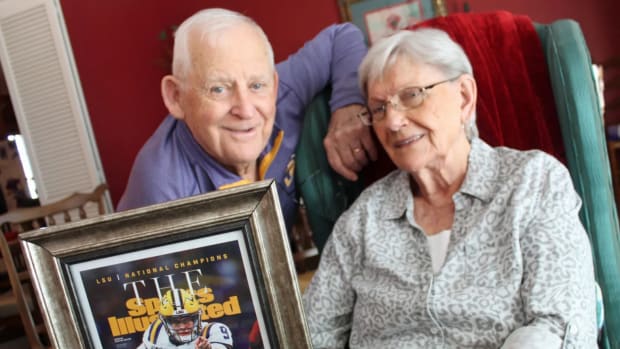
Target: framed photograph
{"type": "Point", "coordinates": [379, 18]}
{"type": "Point", "coordinates": [109, 281]}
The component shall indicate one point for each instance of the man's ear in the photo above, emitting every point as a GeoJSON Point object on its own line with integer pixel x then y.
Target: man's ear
{"type": "Point", "coordinates": [171, 94]}
{"type": "Point", "coordinates": [469, 94]}
{"type": "Point", "coordinates": [275, 83]}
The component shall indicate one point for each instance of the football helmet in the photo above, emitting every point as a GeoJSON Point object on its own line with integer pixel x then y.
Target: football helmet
{"type": "Point", "coordinates": [178, 307]}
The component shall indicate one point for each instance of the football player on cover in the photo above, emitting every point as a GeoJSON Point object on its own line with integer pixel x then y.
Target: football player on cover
{"type": "Point", "coordinates": [179, 326]}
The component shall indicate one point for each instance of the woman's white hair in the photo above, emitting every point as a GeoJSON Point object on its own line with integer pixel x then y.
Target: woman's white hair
{"type": "Point", "coordinates": [428, 46]}
{"type": "Point", "coordinates": [208, 22]}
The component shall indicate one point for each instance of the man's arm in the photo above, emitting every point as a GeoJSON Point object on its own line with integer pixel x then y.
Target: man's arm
{"type": "Point", "coordinates": [141, 189]}
{"type": "Point", "coordinates": [161, 171]}
{"type": "Point", "coordinates": [349, 144]}
{"type": "Point", "coordinates": [333, 56]}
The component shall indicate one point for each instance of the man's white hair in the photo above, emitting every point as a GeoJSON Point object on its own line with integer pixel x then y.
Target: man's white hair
{"type": "Point", "coordinates": [208, 22]}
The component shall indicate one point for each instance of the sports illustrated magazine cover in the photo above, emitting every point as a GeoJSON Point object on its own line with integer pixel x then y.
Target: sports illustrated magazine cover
{"type": "Point", "coordinates": [120, 296]}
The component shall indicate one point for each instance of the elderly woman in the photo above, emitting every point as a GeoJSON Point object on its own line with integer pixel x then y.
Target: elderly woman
{"type": "Point", "coordinates": [464, 245]}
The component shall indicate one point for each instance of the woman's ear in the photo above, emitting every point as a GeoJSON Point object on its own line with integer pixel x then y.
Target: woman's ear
{"type": "Point", "coordinates": [469, 94]}
{"type": "Point", "coordinates": [171, 94]}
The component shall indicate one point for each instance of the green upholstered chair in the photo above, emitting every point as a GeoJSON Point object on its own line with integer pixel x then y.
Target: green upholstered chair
{"type": "Point", "coordinates": [326, 195]}
{"type": "Point", "coordinates": [581, 122]}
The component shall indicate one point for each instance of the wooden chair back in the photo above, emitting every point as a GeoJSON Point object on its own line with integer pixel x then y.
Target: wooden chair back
{"type": "Point", "coordinates": [73, 207]}
{"type": "Point", "coordinates": [70, 208]}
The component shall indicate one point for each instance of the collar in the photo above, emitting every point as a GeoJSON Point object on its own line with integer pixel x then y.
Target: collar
{"type": "Point", "coordinates": [399, 196]}
{"type": "Point", "coordinates": [483, 167]}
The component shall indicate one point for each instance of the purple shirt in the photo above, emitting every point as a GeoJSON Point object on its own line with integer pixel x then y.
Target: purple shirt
{"type": "Point", "coordinates": [172, 165]}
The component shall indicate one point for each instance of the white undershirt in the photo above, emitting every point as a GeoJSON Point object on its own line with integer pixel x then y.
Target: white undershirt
{"type": "Point", "coordinates": [438, 248]}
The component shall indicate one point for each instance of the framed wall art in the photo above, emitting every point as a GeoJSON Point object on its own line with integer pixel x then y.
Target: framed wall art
{"type": "Point", "coordinates": [379, 18]}
{"type": "Point", "coordinates": [100, 282]}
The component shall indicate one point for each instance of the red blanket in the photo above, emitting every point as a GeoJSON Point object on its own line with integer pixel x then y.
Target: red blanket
{"type": "Point", "coordinates": [516, 107]}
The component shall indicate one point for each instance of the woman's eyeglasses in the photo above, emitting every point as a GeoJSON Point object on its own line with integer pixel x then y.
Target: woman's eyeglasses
{"type": "Point", "coordinates": [405, 99]}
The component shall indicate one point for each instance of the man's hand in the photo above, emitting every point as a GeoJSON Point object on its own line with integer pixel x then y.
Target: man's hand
{"type": "Point", "coordinates": [349, 144]}
{"type": "Point", "coordinates": [202, 343]}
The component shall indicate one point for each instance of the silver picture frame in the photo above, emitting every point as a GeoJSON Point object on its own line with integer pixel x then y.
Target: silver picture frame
{"type": "Point", "coordinates": [97, 279]}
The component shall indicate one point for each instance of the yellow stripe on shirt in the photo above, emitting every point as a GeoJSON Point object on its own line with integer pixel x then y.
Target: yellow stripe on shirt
{"type": "Point", "coordinates": [235, 184]}
{"type": "Point", "coordinates": [268, 159]}
{"type": "Point", "coordinates": [264, 164]}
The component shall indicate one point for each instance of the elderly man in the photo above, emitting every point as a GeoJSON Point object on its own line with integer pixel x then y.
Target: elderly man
{"type": "Point", "coordinates": [226, 126]}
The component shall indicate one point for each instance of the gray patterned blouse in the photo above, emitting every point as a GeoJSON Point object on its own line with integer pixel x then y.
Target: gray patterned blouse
{"type": "Point", "coordinates": [518, 273]}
